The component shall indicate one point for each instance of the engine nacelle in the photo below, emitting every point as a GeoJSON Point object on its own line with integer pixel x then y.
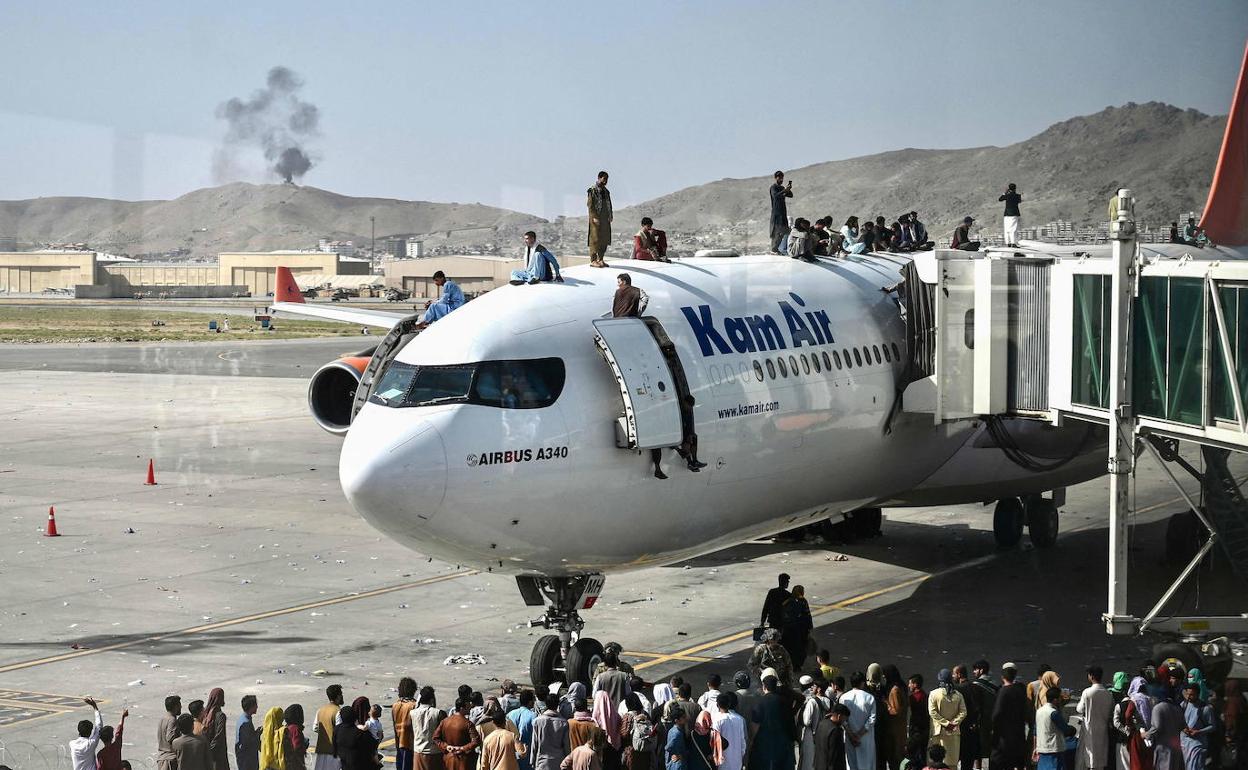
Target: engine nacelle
{"type": "Point", "coordinates": [331, 393]}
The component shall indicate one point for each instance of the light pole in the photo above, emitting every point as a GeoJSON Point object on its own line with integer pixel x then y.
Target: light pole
{"type": "Point", "coordinates": [372, 248]}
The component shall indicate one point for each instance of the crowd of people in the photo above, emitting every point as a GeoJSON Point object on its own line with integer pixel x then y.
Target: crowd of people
{"type": "Point", "coordinates": [777, 714]}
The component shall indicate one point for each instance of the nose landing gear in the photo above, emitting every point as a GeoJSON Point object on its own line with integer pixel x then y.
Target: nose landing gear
{"type": "Point", "coordinates": [564, 656]}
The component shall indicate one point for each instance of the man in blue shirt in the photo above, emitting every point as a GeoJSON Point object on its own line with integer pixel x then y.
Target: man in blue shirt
{"type": "Point", "coordinates": [522, 717]}
{"type": "Point", "coordinates": [452, 298]}
{"type": "Point", "coordinates": [247, 739]}
{"type": "Point", "coordinates": [1199, 725]}
{"type": "Point", "coordinates": [677, 746]}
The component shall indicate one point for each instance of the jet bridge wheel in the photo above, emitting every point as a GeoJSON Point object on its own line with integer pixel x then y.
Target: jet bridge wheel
{"type": "Point", "coordinates": [1042, 522]}
{"type": "Point", "coordinates": [583, 659]}
{"type": "Point", "coordinates": [1007, 522]}
{"type": "Point", "coordinates": [544, 662]}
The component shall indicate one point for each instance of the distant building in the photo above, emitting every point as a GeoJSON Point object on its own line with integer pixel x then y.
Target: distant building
{"type": "Point", "coordinates": [28, 272]}
{"type": "Point", "coordinates": [415, 250]}
{"type": "Point", "coordinates": [341, 248]}
{"type": "Point", "coordinates": [396, 247]}
{"type": "Point", "coordinates": [256, 269]}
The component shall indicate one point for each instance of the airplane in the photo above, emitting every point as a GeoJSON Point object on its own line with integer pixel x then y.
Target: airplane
{"type": "Point", "coordinates": [515, 435]}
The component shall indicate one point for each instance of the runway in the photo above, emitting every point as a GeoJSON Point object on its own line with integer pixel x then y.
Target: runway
{"type": "Point", "coordinates": [246, 569]}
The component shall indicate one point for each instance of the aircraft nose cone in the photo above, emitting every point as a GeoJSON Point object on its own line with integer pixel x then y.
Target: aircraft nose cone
{"type": "Point", "coordinates": [393, 470]}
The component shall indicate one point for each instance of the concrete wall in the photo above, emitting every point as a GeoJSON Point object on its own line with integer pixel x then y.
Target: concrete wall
{"type": "Point", "coordinates": [474, 274]}
{"type": "Point", "coordinates": [123, 276]}
{"type": "Point", "coordinates": [34, 271]}
{"type": "Point", "coordinates": [256, 270]}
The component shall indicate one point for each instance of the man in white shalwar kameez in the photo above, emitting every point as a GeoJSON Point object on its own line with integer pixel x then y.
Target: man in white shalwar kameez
{"type": "Point", "coordinates": [1095, 706]}
{"type": "Point", "coordinates": [860, 726]}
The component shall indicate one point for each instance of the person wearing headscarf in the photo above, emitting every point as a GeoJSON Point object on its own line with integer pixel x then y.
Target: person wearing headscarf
{"type": "Point", "coordinates": [1164, 731]}
{"type": "Point", "coordinates": [897, 706]}
{"type": "Point", "coordinates": [947, 710]}
{"type": "Point", "coordinates": [354, 745]}
{"type": "Point", "coordinates": [1012, 723]}
{"type": "Point", "coordinates": [608, 719]}
{"type": "Point", "coordinates": [550, 737]}
{"type": "Point", "coordinates": [1159, 687]}
{"type": "Point", "coordinates": [706, 746]}
{"type": "Point", "coordinates": [1197, 677]}
{"type": "Point", "coordinates": [1048, 680]}
{"type": "Point", "coordinates": [663, 692]}
{"type": "Point", "coordinates": [567, 705]}
{"type": "Point", "coordinates": [457, 738]}
{"type": "Point", "coordinates": [1118, 759]}
{"type": "Point", "coordinates": [797, 624]}
{"type": "Point", "coordinates": [1132, 721]}
{"type": "Point", "coordinates": [859, 724]}
{"type": "Point", "coordinates": [215, 730]}
{"type": "Point", "coordinates": [294, 742]}
{"type": "Point", "coordinates": [272, 751]}
{"type": "Point", "coordinates": [875, 686]}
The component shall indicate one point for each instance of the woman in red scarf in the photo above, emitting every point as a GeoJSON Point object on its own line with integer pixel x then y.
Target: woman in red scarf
{"type": "Point", "coordinates": [294, 742]}
{"type": "Point", "coordinates": [708, 744]}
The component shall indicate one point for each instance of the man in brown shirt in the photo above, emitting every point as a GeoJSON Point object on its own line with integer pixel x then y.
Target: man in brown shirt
{"type": "Point", "coordinates": [401, 714]}
{"type": "Point", "coordinates": [458, 738]}
{"type": "Point", "coordinates": [166, 732]}
{"type": "Point", "coordinates": [628, 300]}
{"type": "Point", "coordinates": [324, 729]}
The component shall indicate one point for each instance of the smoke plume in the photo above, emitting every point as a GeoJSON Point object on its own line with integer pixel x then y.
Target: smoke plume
{"type": "Point", "coordinates": [274, 120]}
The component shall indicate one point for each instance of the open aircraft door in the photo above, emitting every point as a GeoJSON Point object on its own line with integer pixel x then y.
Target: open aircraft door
{"type": "Point", "coordinates": [650, 391]}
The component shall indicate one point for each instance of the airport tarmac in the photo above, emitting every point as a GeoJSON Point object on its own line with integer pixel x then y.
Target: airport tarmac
{"type": "Point", "coordinates": [245, 568]}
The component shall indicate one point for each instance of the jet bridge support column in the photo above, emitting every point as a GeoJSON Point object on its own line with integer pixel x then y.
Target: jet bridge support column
{"type": "Point", "coordinates": [1121, 417]}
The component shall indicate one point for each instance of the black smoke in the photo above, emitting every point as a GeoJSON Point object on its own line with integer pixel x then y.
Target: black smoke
{"type": "Point", "coordinates": [274, 120]}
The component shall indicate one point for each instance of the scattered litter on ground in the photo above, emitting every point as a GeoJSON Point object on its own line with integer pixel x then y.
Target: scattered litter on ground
{"type": "Point", "coordinates": [135, 683]}
{"type": "Point", "coordinates": [320, 672]}
{"type": "Point", "coordinates": [635, 601]}
{"type": "Point", "coordinates": [471, 659]}
{"type": "Point", "coordinates": [427, 641]}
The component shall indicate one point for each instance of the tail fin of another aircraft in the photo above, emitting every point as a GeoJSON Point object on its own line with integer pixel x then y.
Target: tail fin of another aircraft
{"type": "Point", "coordinates": [287, 290]}
{"type": "Point", "coordinates": [1225, 218]}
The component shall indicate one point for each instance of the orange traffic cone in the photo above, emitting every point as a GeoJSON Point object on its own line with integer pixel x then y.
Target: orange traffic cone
{"type": "Point", "coordinates": [151, 474]}
{"type": "Point", "coordinates": [51, 530]}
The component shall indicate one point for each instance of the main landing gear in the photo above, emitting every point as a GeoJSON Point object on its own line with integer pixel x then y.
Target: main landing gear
{"type": "Point", "coordinates": [564, 656]}
{"type": "Point", "coordinates": [1038, 513]}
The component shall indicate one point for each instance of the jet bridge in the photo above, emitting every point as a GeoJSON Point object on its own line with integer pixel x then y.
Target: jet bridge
{"type": "Point", "coordinates": [1150, 340]}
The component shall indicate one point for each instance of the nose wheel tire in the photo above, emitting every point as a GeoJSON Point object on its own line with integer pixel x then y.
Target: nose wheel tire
{"type": "Point", "coordinates": [544, 663]}
{"type": "Point", "coordinates": [583, 659]}
{"type": "Point", "coordinates": [1007, 522]}
{"type": "Point", "coordinates": [1042, 522]}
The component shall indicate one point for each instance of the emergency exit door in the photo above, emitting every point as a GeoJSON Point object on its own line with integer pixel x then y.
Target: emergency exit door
{"type": "Point", "coordinates": [649, 389]}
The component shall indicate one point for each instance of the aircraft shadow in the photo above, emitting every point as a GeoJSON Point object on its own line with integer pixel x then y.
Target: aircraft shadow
{"type": "Point", "coordinates": [1029, 606]}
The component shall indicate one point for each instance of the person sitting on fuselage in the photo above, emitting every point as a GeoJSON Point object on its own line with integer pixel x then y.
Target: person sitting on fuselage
{"type": "Point", "coordinates": [540, 264]}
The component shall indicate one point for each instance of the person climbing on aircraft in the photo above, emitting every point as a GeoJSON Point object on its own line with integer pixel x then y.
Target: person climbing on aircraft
{"type": "Point", "coordinates": [1193, 235]}
{"type": "Point", "coordinates": [540, 264]}
{"type": "Point", "coordinates": [598, 202]}
{"type": "Point", "coordinates": [650, 243]}
{"type": "Point", "coordinates": [629, 301]}
{"type": "Point", "coordinates": [1012, 218]}
{"type": "Point", "coordinates": [452, 299]}
{"type": "Point", "coordinates": [918, 233]}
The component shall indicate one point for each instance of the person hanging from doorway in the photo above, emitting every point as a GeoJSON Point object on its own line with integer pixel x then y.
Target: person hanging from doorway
{"type": "Point", "coordinates": [452, 299]}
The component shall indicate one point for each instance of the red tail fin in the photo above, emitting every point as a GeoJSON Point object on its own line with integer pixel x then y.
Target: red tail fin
{"type": "Point", "coordinates": [1225, 218]}
{"type": "Point", "coordinates": [287, 290]}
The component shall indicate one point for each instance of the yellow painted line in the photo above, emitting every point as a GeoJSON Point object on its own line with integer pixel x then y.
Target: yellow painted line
{"type": "Point", "coordinates": [235, 621]}
{"type": "Point", "coordinates": [690, 658]}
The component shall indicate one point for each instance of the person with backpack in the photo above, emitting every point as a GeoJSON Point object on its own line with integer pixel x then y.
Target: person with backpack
{"type": "Point", "coordinates": [639, 736]}
{"type": "Point", "coordinates": [813, 710]}
{"type": "Point", "coordinates": [770, 654]}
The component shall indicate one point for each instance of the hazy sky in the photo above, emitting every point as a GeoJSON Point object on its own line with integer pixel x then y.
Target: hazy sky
{"type": "Point", "coordinates": [519, 103]}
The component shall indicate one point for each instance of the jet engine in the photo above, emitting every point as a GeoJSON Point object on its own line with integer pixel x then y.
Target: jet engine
{"type": "Point", "coordinates": [331, 392]}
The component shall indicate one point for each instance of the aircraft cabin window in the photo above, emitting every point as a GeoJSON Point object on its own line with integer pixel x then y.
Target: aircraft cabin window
{"type": "Point", "coordinates": [758, 371]}
{"type": "Point", "coordinates": [771, 369]}
{"type": "Point", "coordinates": [896, 353]}
{"type": "Point", "coordinates": [857, 357]}
{"type": "Point", "coordinates": [530, 384]}
{"type": "Point", "coordinates": [793, 365]}
{"type": "Point", "coordinates": [876, 350]}
{"type": "Point", "coordinates": [827, 362]}
{"type": "Point", "coordinates": [805, 364]}
{"type": "Point", "coordinates": [835, 357]}
{"type": "Point", "coordinates": [887, 356]}
{"type": "Point", "coordinates": [849, 362]}
{"type": "Point", "coordinates": [814, 361]}
{"type": "Point", "coordinates": [784, 369]}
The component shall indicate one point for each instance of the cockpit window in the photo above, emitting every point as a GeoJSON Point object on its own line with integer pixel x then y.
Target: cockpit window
{"type": "Point", "coordinates": [530, 384]}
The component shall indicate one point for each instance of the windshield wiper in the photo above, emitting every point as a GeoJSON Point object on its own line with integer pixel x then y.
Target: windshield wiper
{"type": "Point", "coordinates": [442, 400]}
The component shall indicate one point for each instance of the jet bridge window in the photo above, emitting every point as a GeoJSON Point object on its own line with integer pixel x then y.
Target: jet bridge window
{"type": "Point", "coordinates": [529, 384]}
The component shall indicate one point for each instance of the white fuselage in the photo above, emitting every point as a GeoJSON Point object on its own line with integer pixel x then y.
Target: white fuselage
{"type": "Point", "coordinates": [548, 491]}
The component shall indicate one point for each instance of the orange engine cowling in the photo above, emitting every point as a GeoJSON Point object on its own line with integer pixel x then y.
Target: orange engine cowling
{"type": "Point", "coordinates": [331, 392]}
